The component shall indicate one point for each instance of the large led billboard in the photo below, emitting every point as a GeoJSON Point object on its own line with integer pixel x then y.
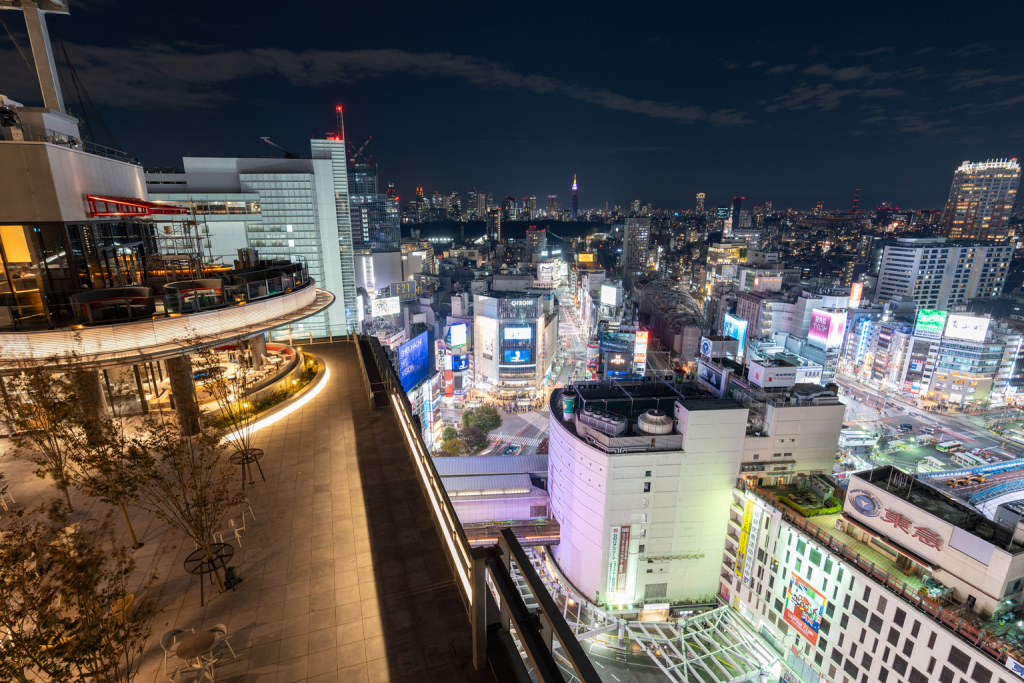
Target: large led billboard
{"type": "Point", "coordinates": [609, 295]}
{"type": "Point", "coordinates": [585, 258]}
{"type": "Point", "coordinates": [804, 609]}
{"type": "Point", "coordinates": [458, 334]}
{"type": "Point", "coordinates": [546, 272]}
{"type": "Point", "coordinates": [640, 352]}
{"type": "Point", "coordinates": [405, 291]}
{"type": "Point", "coordinates": [460, 363]}
{"type": "Point", "coordinates": [967, 327]}
{"type": "Point", "coordinates": [856, 292]}
{"type": "Point", "coordinates": [413, 362]}
{"type": "Point", "coordinates": [517, 355]}
{"type": "Point", "coordinates": [387, 306]}
{"type": "Point", "coordinates": [930, 323]}
{"type": "Point", "coordinates": [518, 333]}
{"type": "Point", "coordinates": [737, 329]}
{"type": "Point", "coordinates": [828, 328]}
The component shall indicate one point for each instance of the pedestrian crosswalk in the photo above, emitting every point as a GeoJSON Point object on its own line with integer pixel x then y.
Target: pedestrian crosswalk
{"type": "Point", "coordinates": [518, 440]}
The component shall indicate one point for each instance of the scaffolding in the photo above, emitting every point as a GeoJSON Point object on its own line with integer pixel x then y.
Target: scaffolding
{"type": "Point", "coordinates": [179, 254]}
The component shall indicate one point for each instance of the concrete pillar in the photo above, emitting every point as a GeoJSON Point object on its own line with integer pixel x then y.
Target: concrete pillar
{"type": "Point", "coordinates": [90, 394]}
{"type": "Point", "coordinates": [142, 391]}
{"type": "Point", "coordinates": [42, 55]}
{"type": "Point", "coordinates": [183, 390]}
{"type": "Point", "coordinates": [257, 348]}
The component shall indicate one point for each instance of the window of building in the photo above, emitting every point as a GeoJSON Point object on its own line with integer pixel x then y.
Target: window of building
{"type": "Point", "coordinates": [837, 656]}
{"type": "Point", "coordinates": [882, 603]}
{"type": "Point", "coordinates": [844, 621]}
{"type": "Point", "coordinates": [899, 665]}
{"type": "Point", "coordinates": [980, 674]}
{"type": "Point", "coordinates": [917, 628]}
{"type": "Point", "coordinates": [647, 487]}
{"type": "Point", "coordinates": [830, 608]}
{"type": "Point", "coordinates": [865, 660]}
{"type": "Point", "coordinates": [647, 473]}
{"type": "Point", "coordinates": [931, 642]}
{"type": "Point", "coordinates": [908, 647]}
{"type": "Point", "coordinates": [883, 675]}
{"type": "Point", "coordinates": [860, 611]}
{"type": "Point", "coordinates": [931, 665]}
{"type": "Point", "coordinates": [875, 623]}
{"type": "Point", "coordinates": [959, 659]}
{"type": "Point", "coordinates": [851, 668]}
{"type": "Point", "coordinates": [900, 617]}
{"type": "Point", "coordinates": [947, 675]}
{"type": "Point", "coordinates": [828, 565]}
{"type": "Point", "coordinates": [825, 626]}
{"type": "Point", "coordinates": [894, 636]}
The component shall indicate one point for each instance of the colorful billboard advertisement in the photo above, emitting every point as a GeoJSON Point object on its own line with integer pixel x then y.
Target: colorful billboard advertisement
{"type": "Point", "coordinates": [460, 363]}
{"type": "Point", "coordinates": [517, 355]}
{"type": "Point", "coordinates": [737, 329]}
{"type": "Point", "coordinates": [750, 552]}
{"type": "Point", "coordinates": [930, 323]}
{"type": "Point", "coordinates": [828, 328]}
{"type": "Point", "coordinates": [967, 328]}
{"type": "Point", "coordinates": [488, 331]}
{"type": "Point", "coordinates": [804, 609]}
{"type": "Point", "coordinates": [518, 333]}
{"type": "Point", "coordinates": [405, 291]}
{"type": "Point", "coordinates": [612, 585]}
{"type": "Point", "coordinates": [546, 272]}
{"type": "Point", "coordinates": [413, 362]}
{"type": "Point", "coordinates": [623, 572]}
{"type": "Point", "coordinates": [640, 352]}
{"type": "Point", "coordinates": [388, 306]}
{"type": "Point", "coordinates": [593, 355]}
{"type": "Point", "coordinates": [585, 258]}
{"type": "Point", "coordinates": [744, 534]}
{"type": "Point", "coordinates": [458, 334]}
{"type": "Point", "coordinates": [856, 292]}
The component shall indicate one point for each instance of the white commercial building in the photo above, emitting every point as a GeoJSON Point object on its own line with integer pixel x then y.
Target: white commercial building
{"type": "Point", "coordinates": [937, 273]}
{"type": "Point", "coordinates": [900, 585]}
{"type": "Point", "coordinates": [640, 479]}
{"type": "Point", "coordinates": [515, 342]}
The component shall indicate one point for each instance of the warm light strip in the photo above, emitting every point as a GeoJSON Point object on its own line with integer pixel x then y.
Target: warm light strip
{"type": "Point", "coordinates": [437, 508]}
{"type": "Point", "coordinates": [267, 421]}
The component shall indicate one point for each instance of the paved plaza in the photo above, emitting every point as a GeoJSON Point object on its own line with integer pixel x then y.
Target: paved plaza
{"type": "Point", "coordinates": [344, 577]}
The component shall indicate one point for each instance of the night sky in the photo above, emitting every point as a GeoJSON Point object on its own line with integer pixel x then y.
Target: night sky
{"type": "Point", "coordinates": [796, 103]}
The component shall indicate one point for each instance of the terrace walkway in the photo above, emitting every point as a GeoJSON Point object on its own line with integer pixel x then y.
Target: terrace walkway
{"type": "Point", "coordinates": [343, 573]}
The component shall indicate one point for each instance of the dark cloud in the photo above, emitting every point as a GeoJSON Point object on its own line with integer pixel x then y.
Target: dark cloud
{"type": "Point", "coordinates": [781, 69]}
{"type": "Point", "coordinates": [876, 51]}
{"type": "Point", "coordinates": [825, 97]}
{"type": "Point", "coordinates": [971, 50]}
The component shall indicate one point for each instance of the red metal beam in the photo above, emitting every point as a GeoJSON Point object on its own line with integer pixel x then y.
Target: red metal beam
{"type": "Point", "coordinates": [128, 206]}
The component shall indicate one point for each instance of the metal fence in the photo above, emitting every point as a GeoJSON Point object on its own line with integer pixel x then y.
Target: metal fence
{"type": "Point", "coordinates": [529, 636]}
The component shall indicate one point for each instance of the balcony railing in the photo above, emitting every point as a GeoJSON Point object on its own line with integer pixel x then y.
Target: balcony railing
{"type": "Point", "coordinates": [528, 636]}
{"type": "Point", "coordinates": [27, 132]}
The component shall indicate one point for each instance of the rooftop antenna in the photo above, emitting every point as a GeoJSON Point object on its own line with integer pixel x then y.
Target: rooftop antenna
{"type": "Point", "coordinates": [856, 199]}
{"type": "Point", "coordinates": [341, 123]}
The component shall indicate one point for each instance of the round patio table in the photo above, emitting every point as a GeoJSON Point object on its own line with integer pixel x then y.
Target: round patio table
{"type": "Point", "coordinates": [198, 563]}
{"type": "Point", "coordinates": [196, 645]}
{"type": "Point", "coordinates": [247, 457]}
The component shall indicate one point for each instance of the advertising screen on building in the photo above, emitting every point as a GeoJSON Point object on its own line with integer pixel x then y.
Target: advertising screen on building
{"type": "Point", "coordinates": [413, 361]}
{"type": "Point", "coordinates": [488, 332]}
{"type": "Point", "coordinates": [387, 306]}
{"type": "Point", "coordinates": [930, 323]}
{"type": "Point", "coordinates": [460, 363]}
{"type": "Point", "coordinates": [405, 291]}
{"type": "Point", "coordinates": [585, 258]}
{"type": "Point", "coordinates": [517, 355]}
{"type": "Point", "coordinates": [518, 333]}
{"type": "Point", "coordinates": [737, 329]}
{"type": "Point", "coordinates": [804, 608]}
{"type": "Point", "coordinates": [546, 272]}
{"type": "Point", "coordinates": [828, 328]}
{"type": "Point", "coordinates": [593, 355]}
{"type": "Point", "coordinates": [856, 292]}
{"type": "Point", "coordinates": [640, 352]}
{"type": "Point", "coordinates": [609, 295]}
{"type": "Point", "coordinates": [967, 328]}
{"type": "Point", "coordinates": [458, 334]}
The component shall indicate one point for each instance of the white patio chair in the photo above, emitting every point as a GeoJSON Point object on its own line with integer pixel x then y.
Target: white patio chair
{"type": "Point", "coordinates": [220, 632]}
{"type": "Point", "coordinates": [169, 643]}
{"type": "Point", "coordinates": [5, 494]}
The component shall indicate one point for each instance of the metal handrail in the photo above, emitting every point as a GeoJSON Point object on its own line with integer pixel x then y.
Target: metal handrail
{"type": "Point", "coordinates": [474, 569]}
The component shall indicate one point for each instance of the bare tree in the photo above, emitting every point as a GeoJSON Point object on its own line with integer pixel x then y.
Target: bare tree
{"type": "Point", "coordinates": [229, 391]}
{"type": "Point", "coordinates": [44, 410]}
{"type": "Point", "coordinates": [185, 480]}
{"type": "Point", "coordinates": [67, 609]}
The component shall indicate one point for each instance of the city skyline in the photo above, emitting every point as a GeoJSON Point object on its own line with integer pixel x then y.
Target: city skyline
{"type": "Point", "coordinates": [892, 114]}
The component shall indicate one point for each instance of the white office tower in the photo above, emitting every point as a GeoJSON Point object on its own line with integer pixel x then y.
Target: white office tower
{"type": "Point", "coordinates": [641, 480]}
{"type": "Point", "coordinates": [635, 243]}
{"type": "Point", "coordinates": [903, 583]}
{"type": "Point", "coordinates": [283, 208]}
{"type": "Point", "coordinates": [937, 273]}
{"type": "Point", "coordinates": [981, 200]}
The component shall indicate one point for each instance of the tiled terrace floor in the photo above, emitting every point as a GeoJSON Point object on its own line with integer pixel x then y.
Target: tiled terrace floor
{"type": "Point", "coordinates": [343, 573]}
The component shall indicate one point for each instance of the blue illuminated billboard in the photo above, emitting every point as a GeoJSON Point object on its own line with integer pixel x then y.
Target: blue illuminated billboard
{"type": "Point", "coordinates": [460, 363]}
{"type": "Point", "coordinates": [517, 356]}
{"type": "Point", "coordinates": [737, 329]}
{"type": "Point", "coordinates": [413, 362]}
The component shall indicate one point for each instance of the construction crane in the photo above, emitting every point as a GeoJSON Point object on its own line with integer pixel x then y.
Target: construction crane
{"type": "Point", "coordinates": [356, 153]}
{"type": "Point", "coordinates": [287, 154]}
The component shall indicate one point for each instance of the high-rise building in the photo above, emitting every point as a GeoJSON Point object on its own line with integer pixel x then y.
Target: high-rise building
{"type": "Point", "coordinates": [737, 205]}
{"type": "Point", "coordinates": [981, 200]}
{"type": "Point", "coordinates": [700, 202]}
{"type": "Point", "coordinates": [552, 205]}
{"type": "Point", "coordinates": [635, 206]}
{"type": "Point", "coordinates": [937, 273]}
{"type": "Point", "coordinates": [536, 242]}
{"type": "Point", "coordinates": [635, 243]}
{"type": "Point", "coordinates": [768, 206]}
{"type": "Point", "coordinates": [481, 206]}
{"type": "Point", "coordinates": [454, 205]}
{"type": "Point", "coordinates": [283, 208]}
{"type": "Point", "coordinates": [508, 208]}
{"type": "Point", "coordinates": [819, 208]}
{"type": "Point", "coordinates": [575, 199]}
{"type": "Point", "coordinates": [471, 204]}
{"type": "Point", "coordinates": [494, 224]}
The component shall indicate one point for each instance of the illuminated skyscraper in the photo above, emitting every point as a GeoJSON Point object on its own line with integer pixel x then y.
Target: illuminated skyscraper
{"type": "Point", "coordinates": [737, 206]}
{"type": "Point", "coordinates": [552, 207]}
{"type": "Point", "coordinates": [981, 199]}
{"type": "Point", "coordinates": [700, 202]}
{"type": "Point", "coordinates": [575, 199]}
